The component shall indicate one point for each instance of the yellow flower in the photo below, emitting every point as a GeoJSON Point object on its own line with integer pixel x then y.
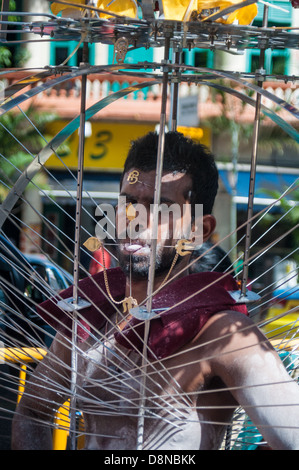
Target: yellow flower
{"type": "Point", "coordinates": [178, 9]}
{"type": "Point", "coordinates": [56, 8]}
{"type": "Point", "coordinates": [181, 10]}
{"type": "Point", "coordinates": [245, 15]}
{"type": "Point", "coordinates": [120, 7]}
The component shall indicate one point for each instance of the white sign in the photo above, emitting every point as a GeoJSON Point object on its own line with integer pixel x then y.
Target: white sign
{"type": "Point", "coordinates": [188, 111]}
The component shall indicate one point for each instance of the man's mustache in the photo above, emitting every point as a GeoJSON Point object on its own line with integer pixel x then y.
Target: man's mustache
{"type": "Point", "coordinates": [144, 236]}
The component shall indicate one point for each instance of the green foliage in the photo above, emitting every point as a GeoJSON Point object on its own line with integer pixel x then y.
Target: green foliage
{"type": "Point", "coordinates": [5, 57]}
{"type": "Point", "coordinates": [288, 205]}
{"type": "Point", "coordinates": [290, 211]}
{"type": "Point", "coordinates": [18, 131]}
{"type": "Point", "coordinates": [273, 138]}
{"type": "Point", "coordinates": [22, 136]}
{"type": "Point", "coordinates": [19, 54]}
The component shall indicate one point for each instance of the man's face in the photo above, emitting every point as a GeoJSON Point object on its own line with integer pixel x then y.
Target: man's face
{"type": "Point", "coordinates": [134, 251]}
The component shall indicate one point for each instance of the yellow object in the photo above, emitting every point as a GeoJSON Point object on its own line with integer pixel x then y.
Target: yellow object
{"type": "Point", "coordinates": [106, 148]}
{"type": "Point", "coordinates": [179, 9]}
{"type": "Point", "coordinates": [20, 355]}
{"type": "Point", "coordinates": [131, 212]}
{"type": "Point", "coordinates": [56, 8]}
{"type": "Point", "coordinates": [93, 243]}
{"type": "Point", "coordinates": [62, 425]}
{"type": "Point", "coordinates": [182, 246]}
{"type": "Point", "coordinates": [243, 16]}
{"type": "Point", "coordinates": [182, 9]}
{"type": "Point", "coordinates": [282, 324]}
{"type": "Point", "coordinates": [120, 7]}
{"type": "Point", "coordinates": [22, 381]}
{"type": "Point", "coordinates": [61, 420]}
{"type": "Point", "coordinates": [285, 344]}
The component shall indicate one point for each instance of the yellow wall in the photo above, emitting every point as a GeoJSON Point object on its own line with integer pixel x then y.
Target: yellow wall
{"type": "Point", "coordinates": [105, 149]}
{"type": "Point", "coordinates": [108, 144]}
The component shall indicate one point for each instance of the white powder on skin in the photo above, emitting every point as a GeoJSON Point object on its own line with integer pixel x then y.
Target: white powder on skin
{"type": "Point", "coordinates": [271, 397]}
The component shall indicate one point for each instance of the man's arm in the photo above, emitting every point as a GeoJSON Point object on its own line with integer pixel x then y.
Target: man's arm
{"type": "Point", "coordinates": [256, 377]}
{"type": "Point", "coordinates": [44, 393]}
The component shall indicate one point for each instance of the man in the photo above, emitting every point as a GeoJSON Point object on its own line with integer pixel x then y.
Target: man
{"type": "Point", "coordinates": [203, 355]}
{"type": "Point", "coordinates": [210, 258]}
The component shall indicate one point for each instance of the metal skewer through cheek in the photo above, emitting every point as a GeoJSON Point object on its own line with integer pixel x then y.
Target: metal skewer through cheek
{"type": "Point", "coordinates": [151, 274]}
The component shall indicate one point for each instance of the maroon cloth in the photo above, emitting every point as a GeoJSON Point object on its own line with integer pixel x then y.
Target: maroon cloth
{"type": "Point", "coordinates": [177, 326]}
{"type": "Point", "coordinates": [87, 289]}
{"type": "Point", "coordinates": [168, 332]}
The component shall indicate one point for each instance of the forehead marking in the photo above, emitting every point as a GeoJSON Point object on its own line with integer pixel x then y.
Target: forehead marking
{"type": "Point", "coordinates": [133, 178]}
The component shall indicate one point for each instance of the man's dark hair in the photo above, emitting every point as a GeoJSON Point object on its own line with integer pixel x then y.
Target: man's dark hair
{"type": "Point", "coordinates": [180, 155]}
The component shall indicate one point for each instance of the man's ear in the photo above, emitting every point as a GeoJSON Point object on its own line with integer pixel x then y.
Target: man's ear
{"type": "Point", "coordinates": [208, 226]}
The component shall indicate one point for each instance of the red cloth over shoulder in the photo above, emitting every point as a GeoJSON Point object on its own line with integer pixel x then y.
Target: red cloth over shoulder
{"type": "Point", "coordinates": [188, 302]}
{"type": "Point", "coordinates": [195, 299]}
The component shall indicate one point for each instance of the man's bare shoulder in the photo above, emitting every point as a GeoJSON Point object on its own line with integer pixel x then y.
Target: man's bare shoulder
{"type": "Point", "coordinates": [231, 332]}
{"type": "Point", "coordinates": [229, 321]}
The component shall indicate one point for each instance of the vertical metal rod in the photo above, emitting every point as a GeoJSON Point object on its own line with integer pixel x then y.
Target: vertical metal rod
{"type": "Point", "coordinates": [253, 169]}
{"type": "Point", "coordinates": [151, 275]}
{"type": "Point", "coordinates": [74, 356]}
{"type": "Point", "coordinates": [159, 169]}
{"type": "Point", "coordinates": [175, 96]}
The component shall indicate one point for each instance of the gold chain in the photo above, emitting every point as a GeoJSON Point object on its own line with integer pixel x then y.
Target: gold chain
{"type": "Point", "coordinates": [128, 302]}
{"type": "Point", "coordinates": [171, 268]}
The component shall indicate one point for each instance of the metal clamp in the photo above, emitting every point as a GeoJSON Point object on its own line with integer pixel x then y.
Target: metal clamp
{"type": "Point", "coordinates": [69, 306]}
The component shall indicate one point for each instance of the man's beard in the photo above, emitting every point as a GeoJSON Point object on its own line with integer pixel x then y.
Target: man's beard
{"type": "Point", "coordinates": [137, 266]}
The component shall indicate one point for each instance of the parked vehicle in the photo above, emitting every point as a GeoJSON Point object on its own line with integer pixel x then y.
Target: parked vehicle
{"type": "Point", "coordinates": [25, 281]}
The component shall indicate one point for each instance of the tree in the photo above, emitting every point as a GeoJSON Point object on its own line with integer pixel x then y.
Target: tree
{"type": "Point", "coordinates": [288, 217]}
{"type": "Point", "coordinates": [22, 136]}
{"type": "Point", "coordinates": [17, 55]}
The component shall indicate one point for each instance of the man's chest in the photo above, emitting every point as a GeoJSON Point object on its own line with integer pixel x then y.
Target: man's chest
{"type": "Point", "coordinates": [111, 373]}
{"type": "Point", "coordinates": [117, 386]}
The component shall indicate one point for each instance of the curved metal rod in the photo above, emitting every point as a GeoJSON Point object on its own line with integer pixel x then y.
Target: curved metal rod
{"type": "Point", "coordinates": [98, 10]}
{"type": "Point", "coordinates": [227, 10]}
{"type": "Point", "coordinates": [209, 73]}
{"type": "Point", "coordinates": [8, 104]}
{"type": "Point", "coordinates": [52, 146]}
{"type": "Point", "coordinates": [143, 85]}
{"type": "Point", "coordinates": [260, 91]}
{"type": "Point", "coordinates": [236, 78]}
{"type": "Point", "coordinates": [267, 111]}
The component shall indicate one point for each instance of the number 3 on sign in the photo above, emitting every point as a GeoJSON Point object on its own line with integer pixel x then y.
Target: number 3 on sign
{"type": "Point", "coordinates": [102, 139]}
